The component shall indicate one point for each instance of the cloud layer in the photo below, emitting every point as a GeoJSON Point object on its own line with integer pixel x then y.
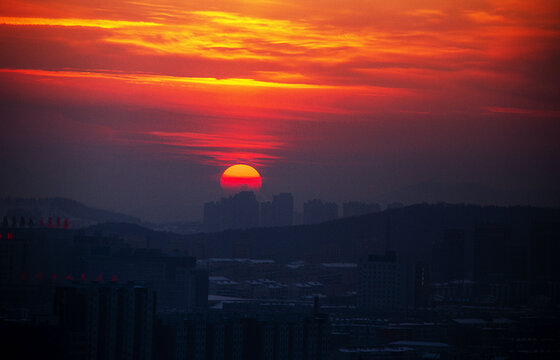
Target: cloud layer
{"type": "Point", "coordinates": [360, 87]}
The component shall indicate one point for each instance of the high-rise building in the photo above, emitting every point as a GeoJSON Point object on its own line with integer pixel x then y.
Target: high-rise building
{"type": "Point", "coordinates": [106, 320]}
{"type": "Point", "coordinates": [315, 211]}
{"type": "Point", "coordinates": [545, 248]}
{"type": "Point", "coordinates": [279, 212]}
{"type": "Point", "coordinates": [240, 211]}
{"type": "Point", "coordinates": [211, 219]}
{"type": "Point", "coordinates": [35, 252]}
{"type": "Point", "coordinates": [357, 208]}
{"type": "Point", "coordinates": [421, 285]}
{"type": "Point", "coordinates": [49, 256]}
{"type": "Point", "coordinates": [379, 284]}
{"type": "Point", "coordinates": [283, 207]}
{"type": "Point", "coordinates": [244, 335]}
{"type": "Point", "coordinates": [492, 253]}
{"type": "Point", "coordinates": [176, 279]}
{"type": "Point", "coordinates": [448, 256]}
{"type": "Point", "coordinates": [544, 264]}
{"type": "Point", "coordinates": [267, 214]}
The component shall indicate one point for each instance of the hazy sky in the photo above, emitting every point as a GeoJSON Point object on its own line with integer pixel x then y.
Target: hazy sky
{"type": "Point", "coordinates": [139, 106]}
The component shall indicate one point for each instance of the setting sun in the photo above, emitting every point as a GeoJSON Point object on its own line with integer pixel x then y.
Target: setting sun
{"type": "Point", "coordinates": [241, 177]}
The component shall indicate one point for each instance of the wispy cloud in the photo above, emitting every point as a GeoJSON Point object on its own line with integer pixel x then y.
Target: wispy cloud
{"type": "Point", "coordinates": [214, 148]}
{"type": "Point", "coordinates": [270, 62]}
{"type": "Point", "coordinates": [524, 112]}
{"type": "Point", "coordinates": [96, 23]}
{"type": "Point", "coordinates": [162, 79]}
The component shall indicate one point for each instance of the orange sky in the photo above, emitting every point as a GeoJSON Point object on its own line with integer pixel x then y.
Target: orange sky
{"type": "Point", "coordinates": [285, 82]}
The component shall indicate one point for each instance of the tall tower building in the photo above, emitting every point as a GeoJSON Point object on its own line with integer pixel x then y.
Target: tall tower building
{"type": "Point", "coordinates": [106, 321]}
{"type": "Point", "coordinates": [245, 210]}
{"type": "Point", "coordinates": [448, 256]}
{"type": "Point", "coordinates": [380, 282]}
{"type": "Point", "coordinates": [211, 219]}
{"type": "Point", "coordinates": [283, 209]}
{"type": "Point", "coordinates": [267, 214]}
{"type": "Point", "coordinates": [315, 211]}
{"type": "Point", "coordinates": [357, 208]}
{"type": "Point", "coordinates": [492, 253]}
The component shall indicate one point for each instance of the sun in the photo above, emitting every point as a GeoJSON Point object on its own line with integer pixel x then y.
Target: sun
{"type": "Point", "coordinates": [241, 177]}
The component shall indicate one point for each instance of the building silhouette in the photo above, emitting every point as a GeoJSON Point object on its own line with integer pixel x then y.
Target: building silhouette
{"type": "Point", "coordinates": [544, 264]}
{"type": "Point", "coordinates": [48, 256]}
{"type": "Point", "coordinates": [283, 205]}
{"type": "Point", "coordinates": [243, 211]}
{"type": "Point", "coordinates": [279, 212]}
{"type": "Point", "coordinates": [239, 211]}
{"type": "Point", "coordinates": [448, 256]}
{"type": "Point", "coordinates": [492, 253]}
{"type": "Point", "coordinates": [267, 214]}
{"type": "Point", "coordinates": [243, 335]}
{"type": "Point", "coordinates": [315, 211]}
{"type": "Point", "coordinates": [357, 208]}
{"type": "Point", "coordinates": [211, 218]}
{"type": "Point", "coordinates": [176, 279]}
{"type": "Point", "coordinates": [106, 320]}
{"type": "Point", "coordinates": [421, 285]}
{"type": "Point", "coordinates": [379, 283]}
{"type": "Point", "coordinates": [544, 252]}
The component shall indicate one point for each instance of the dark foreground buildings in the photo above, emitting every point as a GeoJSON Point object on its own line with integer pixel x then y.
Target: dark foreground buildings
{"type": "Point", "coordinates": [88, 296]}
{"type": "Point", "coordinates": [105, 321]}
{"type": "Point", "coordinates": [92, 297]}
{"type": "Point", "coordinates": [82, 320]}
{"type": "Point", "coordinates": [243, 334]}
{"type": "Point", "coordinates": [447, 282]}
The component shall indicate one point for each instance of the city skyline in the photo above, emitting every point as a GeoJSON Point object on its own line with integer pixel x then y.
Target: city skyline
{"type": "Point", "coordinates": [139, 107]}
{"type": "Point", "coordinates": [287, 180]}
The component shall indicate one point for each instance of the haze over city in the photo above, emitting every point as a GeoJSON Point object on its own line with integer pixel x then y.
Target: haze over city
{"type": "Point", "coordinates": [139, 107]}
{"type": "Point", "coordinates": [287, 180]}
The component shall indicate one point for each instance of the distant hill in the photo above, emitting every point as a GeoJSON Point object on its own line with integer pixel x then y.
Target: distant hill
{"type": "Point", "coordinates": [410, 230]}
{"type": "Point", "coordinates": [78, 214]}
{"type": "Point", "coordinates": [137, 235]}
{"type": "Point", "coordinates": [120, 229]}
